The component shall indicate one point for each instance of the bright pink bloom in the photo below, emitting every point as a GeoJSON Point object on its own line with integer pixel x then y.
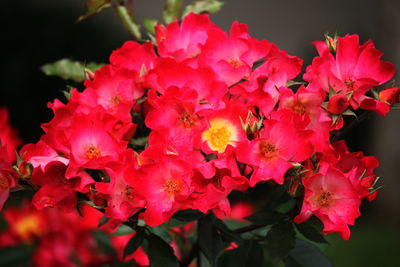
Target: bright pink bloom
{"type": "Point", "coordinates": [184, 41]}
{"type": "Point", "coordinates": [332, 198]}
{"type": "Point", "coordinates": [174, 121]}
{"type": "Point", "coordinates": [123, 201]}
{"type": "Point", "coordinates": [134, 56]}
{"type": "Point", "coordinates": [165, 186]}
{"type": "Point", "coordinates": [270, 154]}
{"type": "Point", "coordinates": [169, 73]}
{"type": "Point", "coordinates": [215, 181]}
{"type": "Point", "coordinates": [353, 71]}
{"type": "Point", "coordinates": [114, 89]}
{"type": "Point", "coordinates": [55, 190]}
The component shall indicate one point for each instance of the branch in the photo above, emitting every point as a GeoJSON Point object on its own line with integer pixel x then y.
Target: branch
{"type": "Point", "coordinates": [129, 23]}
{"type": "Point", "coordinates": [342, 133]}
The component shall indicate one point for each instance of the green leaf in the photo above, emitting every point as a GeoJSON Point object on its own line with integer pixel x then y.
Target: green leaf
{"type": "Point", "coordinates": [250, 253]}
{"type": "Point", "coordinates": [188, 215]}
{"type": "Point", "coordinates": [103, 221]}
{"type": "Point", "coordinates": [134, 243]}
{"type": "Point", "coordinates": [162, 232]}
{"type": "Point", "coordinates": [103, 240]}
{"type": "Point", "coordinates": [129, 23]}
{"type": "Point", "coordinates": [16, 256]}
{"type": "Point", "coordinates": [172, 10]}
{"type": "Point", "coordinates": [226, 232]}
{"type": "Point", "coordinates": [93, 7]}
{"type": "Point", "coordinates": [310, 232]}
{"type": "Point", "coordinates": [160, 253]}
{"type": "Point", "coordinates": [292, 82]}
{"type": "Point", "coordinates": [149, 25]}
{"type": "Point", "coordinates": [203, 6]}
{"type": "Point", "coordinates": [3, 223]}
{"type": "Point", "coordinates": [266, 217]}
{"type": "Point", "coordinates": [349, 112]}
{"type": "Point", "coordinates": [280, 240]}
{"type": "Point", "coordinates": [210, 241]}
{"type": "Point", "coordinates": [141, 141]}
{"type": "Point", "coordinates": [286, 206]}
{"type": "Point", "coordinates": [124, 230]}
{"type": "Point", "coordinates": [69, 69]}
{"type": "Point", "coordinates": [306, 254]}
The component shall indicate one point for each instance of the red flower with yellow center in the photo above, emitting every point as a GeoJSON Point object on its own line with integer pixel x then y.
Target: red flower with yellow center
{"type": "Point", "coordinates": [225, 128]}
{"type": "Point", "coordinates": [220, 134]}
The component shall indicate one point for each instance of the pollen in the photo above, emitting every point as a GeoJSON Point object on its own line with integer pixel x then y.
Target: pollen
{"type": "Point", "coordinates": [220, 134]}
{"type": "Point", "coordinates": [93, 152]}
{"type": "Point", "coordinates": [129, 192]}
{"type": "Point", "coordinates": [235, 63]}
{"type": "Point", "coordinates": [349, 83]}
{"type": "Point", "coordinates": [187, 120]}
{"type": "Point", "coordinates": [267, 149]}
{"type": "Point", "coordinates": [173, 187]}
{"type": "Point", "coordinates": [115, 100]}
{"type": "Point", "coordinates": [298, 107]}
{"type": "Point", "coordinates": [324, 199]}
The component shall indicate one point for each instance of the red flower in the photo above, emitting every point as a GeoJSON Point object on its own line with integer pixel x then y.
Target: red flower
{"type": "Point", "coordinates": [353, 71]}
{"type": "Point", "coordinates": [184, 41]}
{"type": "Point", "coordinates": [270, 154]}
{"type": "Point", "coordinates": [332, 198]}
{"type": "Point", "coordinates": [165, 186]}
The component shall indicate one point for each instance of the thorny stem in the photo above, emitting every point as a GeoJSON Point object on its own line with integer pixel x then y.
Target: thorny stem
{"type": "Point", "coordinates": [129, 23]}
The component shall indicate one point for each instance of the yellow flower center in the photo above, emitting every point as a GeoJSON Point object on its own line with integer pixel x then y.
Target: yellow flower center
{"type": "Point", "coordinates": [220, 134]}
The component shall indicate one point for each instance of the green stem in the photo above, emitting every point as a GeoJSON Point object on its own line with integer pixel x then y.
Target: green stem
{"type": "Point", "coordinates": [129, 23]}
{"type": "Point", "coordinates": [172, 9]}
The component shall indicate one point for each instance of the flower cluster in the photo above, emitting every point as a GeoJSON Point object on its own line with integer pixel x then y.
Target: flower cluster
{"type": "Point", "coordinates": [182, 122]}
{"type": "Point", "coordinates": [63, 239]}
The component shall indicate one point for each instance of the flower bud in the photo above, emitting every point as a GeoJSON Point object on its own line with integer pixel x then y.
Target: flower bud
{"type": "Point", "coordinates": [338, 104]}
{"type": "Point", "coordinates": [24, 169]}
{"type": "Point", "coordinates": [390, 95]}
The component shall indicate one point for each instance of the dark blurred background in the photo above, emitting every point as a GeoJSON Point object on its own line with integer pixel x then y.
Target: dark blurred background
{"type": "Point", "coordinates": [36, 32]}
